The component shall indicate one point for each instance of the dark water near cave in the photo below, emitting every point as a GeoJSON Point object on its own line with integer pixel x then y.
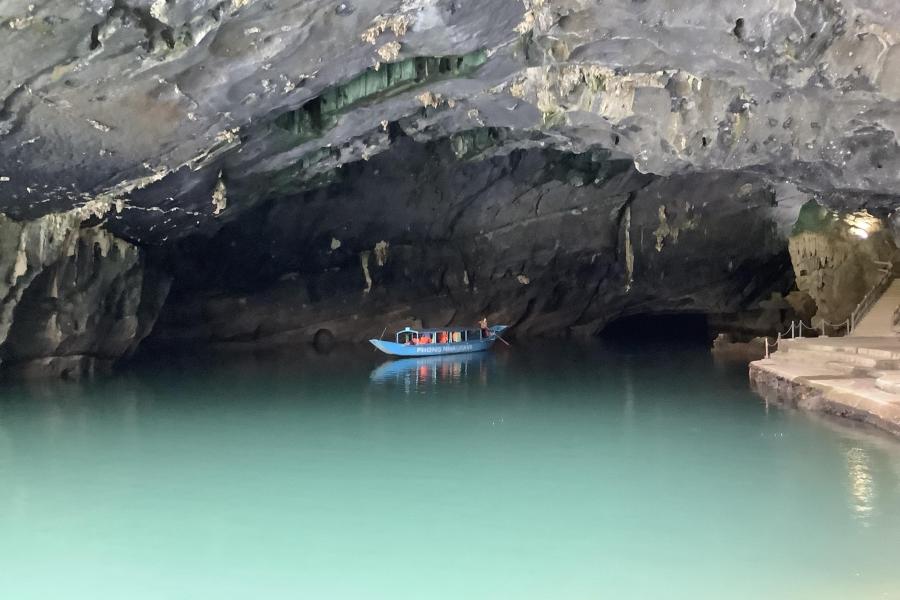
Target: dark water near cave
{"type": "Point", "coordinates": [563, 473]}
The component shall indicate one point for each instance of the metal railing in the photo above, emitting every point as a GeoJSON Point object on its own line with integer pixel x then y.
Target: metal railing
{"type": "Point", "coordinates": [826, 326]}
{"type": "Point", "coordinates": [794, 330]}
{"type": "Point", "coordinates": [873, 295]}
{"type": "Point", "coordinates": [797, 329]}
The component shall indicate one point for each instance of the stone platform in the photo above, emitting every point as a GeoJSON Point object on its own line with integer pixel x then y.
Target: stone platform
{"type": "Point", "coordinates": [853, 377]}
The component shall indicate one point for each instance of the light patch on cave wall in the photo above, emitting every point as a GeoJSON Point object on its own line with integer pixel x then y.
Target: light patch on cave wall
{"type": "Point", "coordinates": [28, 248]}
{"type": "Point", "coordinates": [236, 4]}
{"type": "Point", "coordinates": [364, 261]}
{"type": "Point", "coordinates": [629, 251]}
{"type": "Point", "coordinates": [862, 224]}
{"type": "Point", "coordinates": [669, 229]}
{"type": "Point", "coordinates": [219, 196]}
{"type": "Point", "coordinates": [381, 252]}
{"type": "Point", "coordinates": [835, 258]}
{"type": "Point", "coordinates": [158, 10]}
{"type": "Point", "coordinates": [389, 52]}
{"type": "Point", "coordinates": [398, 24]}
{"type": "Point", "coordinates": [21, 265]}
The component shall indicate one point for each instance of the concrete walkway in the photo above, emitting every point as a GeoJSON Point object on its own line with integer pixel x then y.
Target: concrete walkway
{"type": "Point", "coordinates": [854, 377]}
{"type": "Point", "coordinates": [879, 320]}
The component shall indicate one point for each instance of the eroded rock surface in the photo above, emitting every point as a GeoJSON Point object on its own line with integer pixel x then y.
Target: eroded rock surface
{"type": "Point", "coordinates": [837, 259]}
{"type": "Point", "coordinates": [161, 102]}
{"type": "Point", "coordinates": [557, 244]}
{"type": "Point", "coordinates": [74, 299]}
{"type": "Point", "coordinates": [302, 167]}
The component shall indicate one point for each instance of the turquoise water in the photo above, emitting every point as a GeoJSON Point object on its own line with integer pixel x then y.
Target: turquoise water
{"type": "Point", "coordinates": [572, 473]}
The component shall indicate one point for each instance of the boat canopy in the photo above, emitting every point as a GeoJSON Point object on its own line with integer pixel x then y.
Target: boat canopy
{"type": "Point", "coordinates": [437, 329]}
{"type": "Point", "coordinates": [440, 334]}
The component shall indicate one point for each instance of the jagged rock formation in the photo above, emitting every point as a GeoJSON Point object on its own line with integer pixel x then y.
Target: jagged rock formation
{"type": "Point", "coordinates": [235, 128]}
{"type": "Point", "coordinates": [74, 299]}
{"type": "Point", "coordinates": [834, 259]}
{"type": "Point", "coordinates": [557, 244]}
{"type": "Point", "coordinates": [149, 100]}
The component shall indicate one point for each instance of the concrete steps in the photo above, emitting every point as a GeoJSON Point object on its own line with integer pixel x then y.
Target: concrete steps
{"type": "Point", "coordinates": [878, 363]}
{"type": "Point", "coordinates": [889, 382]}
{"type": "Point", "coordinates": [856, 378]}
{"type": "Point", "coordinates": [849, 370]}
{"type": "Point", "coordinates": [852, 359]}
{"type": "Point", "coordinates": [877, 347]}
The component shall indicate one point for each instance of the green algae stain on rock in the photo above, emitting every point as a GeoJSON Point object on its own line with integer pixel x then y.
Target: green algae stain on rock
{"type": "Point", "coordinates": [473, 143]}
{"type": "Point", "coordinates": [376, 83]}
{"type": "Point", "coordinates": [815, 218]}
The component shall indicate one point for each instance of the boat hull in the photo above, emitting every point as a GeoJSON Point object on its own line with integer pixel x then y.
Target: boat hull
{"type": "Point", "coordinates": [395, 349]}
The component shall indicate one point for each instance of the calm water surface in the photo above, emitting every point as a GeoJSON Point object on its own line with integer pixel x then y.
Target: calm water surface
{"type": "Point", "coordinates": [572, 473]}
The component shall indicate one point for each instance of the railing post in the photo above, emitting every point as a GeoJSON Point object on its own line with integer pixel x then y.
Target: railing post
{"type": "Point", "coordinates": [767, 347]}
{"type": "Point", "coordinates": [792, 330]}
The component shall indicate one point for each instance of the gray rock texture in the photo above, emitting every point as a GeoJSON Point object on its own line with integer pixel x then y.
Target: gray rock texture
{"type": "Point", "coordinates": [300, 166]}
{"type": "Point", "coordinates": [556, 244]}
{"type": "Point", "coordinates": [838, 260]}
{"type": "Point", "coordinates": [74, 299]}
{"type": "Point", "coordinates": [172, 106]}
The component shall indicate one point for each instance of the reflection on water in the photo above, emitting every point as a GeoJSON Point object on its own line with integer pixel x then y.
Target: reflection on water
{"type": "Point", "coordinates": [860, 483]}
{"type": "Point", "coordinates": [427, 372]}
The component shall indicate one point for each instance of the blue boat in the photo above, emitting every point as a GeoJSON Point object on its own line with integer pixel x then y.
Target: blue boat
{"type": "Point", "coordinates": [444, 340]}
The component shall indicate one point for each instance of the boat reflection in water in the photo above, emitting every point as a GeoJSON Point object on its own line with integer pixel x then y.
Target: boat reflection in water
{"type": "Point", "coordinates": [419, 373]}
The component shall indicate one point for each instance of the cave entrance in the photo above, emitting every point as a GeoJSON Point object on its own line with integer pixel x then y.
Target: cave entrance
{"type": "Point", "coordinates": [690, 328]}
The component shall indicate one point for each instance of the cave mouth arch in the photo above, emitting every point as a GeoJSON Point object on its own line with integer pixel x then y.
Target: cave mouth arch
{"type": "Point", "coordinates": [681, 327]}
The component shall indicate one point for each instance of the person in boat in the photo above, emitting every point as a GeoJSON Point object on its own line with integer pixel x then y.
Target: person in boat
{"type": "Point", "coordinates": [485, 332]}
{"type": "Point", "coordinates": [443, 338]}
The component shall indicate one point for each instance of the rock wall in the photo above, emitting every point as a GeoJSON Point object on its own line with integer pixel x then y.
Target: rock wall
{"type": "Point", "coordinates": [73, 298]}
{"type": "Point", "coordinates": [192, 112]}
{"type": "Point", "coordinates": [553, 243]}
{"type": "Point", "coordinates": [303, 167]}
{"type": "Point", "coordinates": [834, 258]}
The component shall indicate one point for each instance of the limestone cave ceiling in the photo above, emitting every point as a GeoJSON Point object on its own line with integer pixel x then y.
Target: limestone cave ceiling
{"type": "Point", "coordinates": [166, 117]}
